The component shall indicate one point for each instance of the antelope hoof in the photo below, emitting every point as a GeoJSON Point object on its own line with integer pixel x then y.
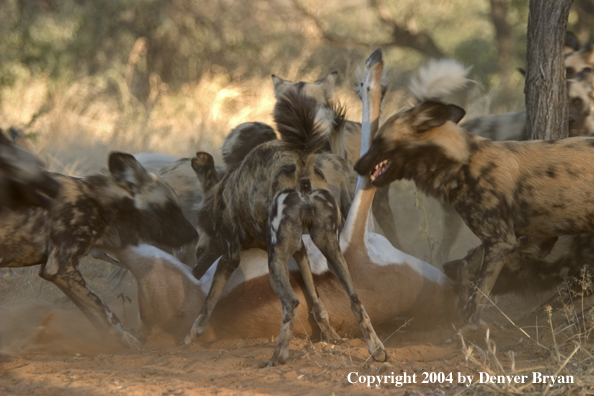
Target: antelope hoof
{"type": "Point", "coordinates": [380, 355]}
{"type": "Point", "coordinates": [196, 331]}
{"type": "Point", "coordinates": [130, 341]}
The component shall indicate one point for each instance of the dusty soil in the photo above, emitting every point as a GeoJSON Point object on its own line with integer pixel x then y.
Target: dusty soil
{"type": "Point", "coordinates": [49, 348]}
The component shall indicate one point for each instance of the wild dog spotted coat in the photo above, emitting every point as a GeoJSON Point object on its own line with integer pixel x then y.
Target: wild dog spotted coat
{"type": "Point", "coordinates": [269, 201]}
{"type": "Point", "coordinates": [106, 211]}
{"type": "Point", "coordinates": [502, 190]}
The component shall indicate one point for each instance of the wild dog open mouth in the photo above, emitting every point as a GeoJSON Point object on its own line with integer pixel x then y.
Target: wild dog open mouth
{"type": "Point", "coordinates": [379, 169]}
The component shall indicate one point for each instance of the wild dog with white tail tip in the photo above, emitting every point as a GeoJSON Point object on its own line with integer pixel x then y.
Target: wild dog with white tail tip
{"type": "Point", "coordinates": [105, 211]}
{"type": "Point", "coordinates": [269, 201]}
{"type": "Point", "coordinates": [502, 190]}
{"type": "Point", "coordinates": [391, 283]}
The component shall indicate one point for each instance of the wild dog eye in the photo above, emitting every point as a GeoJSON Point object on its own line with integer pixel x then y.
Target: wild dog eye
{"type": "Point", "coordinates": [576, 101]}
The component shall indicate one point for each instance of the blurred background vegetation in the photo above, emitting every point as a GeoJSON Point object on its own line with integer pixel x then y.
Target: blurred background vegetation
{"type": "Point", "coordinates": [171, 75]}
{"type": "Point", "coordinates": [83, 77]}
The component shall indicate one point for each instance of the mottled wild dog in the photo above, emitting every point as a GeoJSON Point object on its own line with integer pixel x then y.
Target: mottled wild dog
{"type": "Point", "coordinates": [512, 126]}
{"type": "Point", "coordinates": [242, 139]}
{"type": "Point", "coordinates": [502, 190]}
{"type": "Point", "coordinates": [106, 211]}
{"type": "Point", "coordinates": [268, 202]}
{"type": "Point", "coordinates": [344, 141]}
{"type": "Point", "coordinates": [23, 179]}
{"type": "Point", "coordinates": [340, 177]}
{"type": "Point", "coordinates": [543, 265]}
{"type": "Point", "coordinates": [170, 297]}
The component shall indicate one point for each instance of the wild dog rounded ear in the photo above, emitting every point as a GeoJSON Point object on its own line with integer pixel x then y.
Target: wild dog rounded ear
{"type": "Point", "coordinates": [456, 113]}
{"type": "Point", "coordinates": [327, 84]}
{"type": "Point", "coordinates": [432, 114]}
{"type": "Point", "coordinates": [279, 85]}
{"type": "Point", "coordinates": [127, 172]}
{"type": "Point", "coordinates": [204, 166]}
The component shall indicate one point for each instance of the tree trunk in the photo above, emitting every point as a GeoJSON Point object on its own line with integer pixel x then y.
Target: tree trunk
{"type": "Point", "coordinates": [503, 34]}
{"type": "Point", "coordinates": [546, 93]}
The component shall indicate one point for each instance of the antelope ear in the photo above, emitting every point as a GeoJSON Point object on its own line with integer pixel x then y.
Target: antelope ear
{"type": "Point", "coordinates": [128, 172]}
{"type": "Point", "coordinates": [431, 114]}
{"type": "Point", "coordinates": [327, 84]}
{"type": "Point", "coordinates": [279, 85]}
{"type": "Point", "coordinates": [204, 166]}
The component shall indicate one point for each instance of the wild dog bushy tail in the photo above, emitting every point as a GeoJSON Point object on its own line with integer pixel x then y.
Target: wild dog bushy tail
{"type": "Point", "coordinates": [438, 78]}
{"type": "Point", "coordinates": [302, 132]}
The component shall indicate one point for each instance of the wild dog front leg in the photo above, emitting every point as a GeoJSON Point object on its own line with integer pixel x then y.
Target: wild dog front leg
{"type": "Point", "coordinates": [68, 278]}
{"type": "Point", "coordinates": [496, 255]}
{"type": "Point", "coordinates": [319, 311]}
{"type": "Point", "coordinates": [227, 264]}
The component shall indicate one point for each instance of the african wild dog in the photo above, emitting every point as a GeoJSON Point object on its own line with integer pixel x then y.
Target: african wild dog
{"type": "Point", "coordinates": [178, 174]}
{"type": "Point", "coordinates": [344, 141]}
{"type": "Point", "coordinates": [543, 265]}
{"type": "Point", "coordinates": [105, 211]}
{"type": "Point", "coordinates": [269, 201]}
{"type": "Point", "coordinates": [242, 139]}
{"type": "Point", "coordinates": [169, 297]}
{"type": "Point", "coordinates": [340, 177]}
{"type": "Point", "coordinates": [502, 190]}
{"type": "Point", "coordinates": [512, 126]}
{"type": "Point", "coordinates": [23, 180]}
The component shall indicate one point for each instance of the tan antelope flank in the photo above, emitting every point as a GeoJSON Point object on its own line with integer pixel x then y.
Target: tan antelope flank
{"type": "Point", "coordinates": [105, 211]}
{"type": "Point", "coordinates": [502, 190]}
{"type": "Point", "coordinates": [389, 282]}
{"type": "Point", "coordinates": [269, 201]}
{"type": "Point", "coordinates": [23, 179]}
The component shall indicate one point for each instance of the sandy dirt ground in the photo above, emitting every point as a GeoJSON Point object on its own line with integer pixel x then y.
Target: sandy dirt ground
{"type": "Point", "coordinates": [49, 348]}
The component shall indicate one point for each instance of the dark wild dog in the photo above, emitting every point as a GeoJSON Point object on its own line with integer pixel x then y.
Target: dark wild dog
{"type": "Point", "coordinates": [23, 179]}
{"type": "Point", "coordinates": [104, 211]}
{"type": "Point", "coordinates": [344, 141]}
{"type": "Point", "coordinates": [543, 265]}
{"type": "Point", "coordinates": [269, 201]}
{"type": "Point", "coordinates": [502, 190]}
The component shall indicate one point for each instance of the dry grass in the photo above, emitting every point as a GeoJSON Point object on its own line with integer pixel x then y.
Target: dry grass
{"type": "Point", "coordinates": [73, 126]}
{"type": "Point", "coordinates": [565, 340]}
